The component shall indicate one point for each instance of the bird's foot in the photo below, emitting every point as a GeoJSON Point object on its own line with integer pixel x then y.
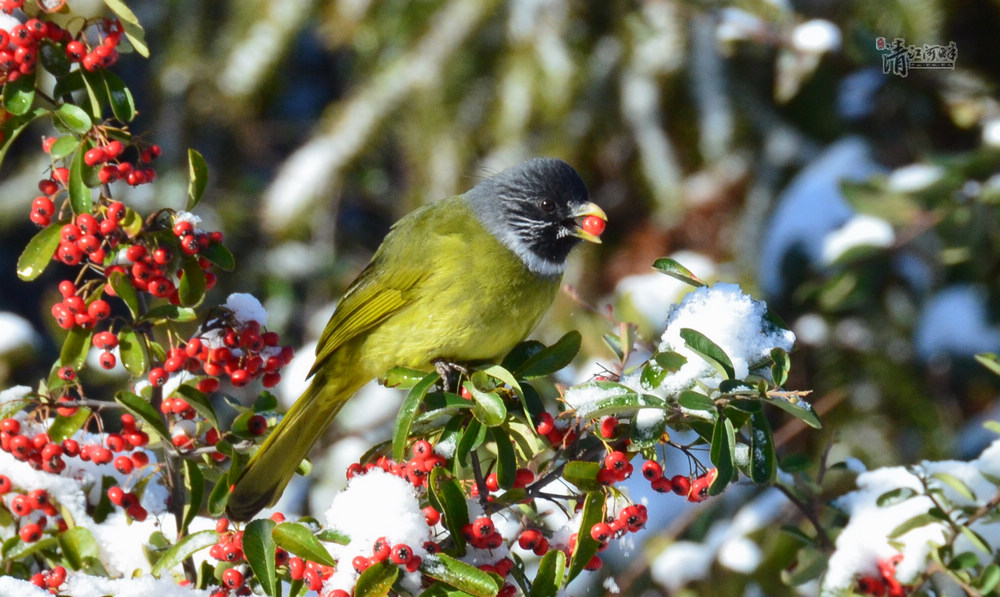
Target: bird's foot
{"type": "Point", "coordinates": [450, 373]}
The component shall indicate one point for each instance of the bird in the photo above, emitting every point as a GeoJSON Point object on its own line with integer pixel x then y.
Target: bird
{"type": "Point", "coordinates": [461, 280]}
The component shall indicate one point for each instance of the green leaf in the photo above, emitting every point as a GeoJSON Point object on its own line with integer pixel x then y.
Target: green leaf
{"type": "Point", "coordinates": [97, 93]}
{"type": "Point", "coordinates": [795, 406]}
{"type": "Point", "coordinates": [407, 413]}
{"type": "Point", "coordinates": [552, 358]}
{"type": "Point", "coordinates": [64, 427]}
{"type": "Point", "coordinates": [38, 254]}
{"type": "Point", "coordinates": [197, 178]}
{"type": "Point", "coordinates": [376, 580]}
{"type": "Point", "coordinates": [990, 361]}
{"type": "Point", "coordinates": [333, 536]}
{"type": "Point", "coordinates": [956, 484]}
{"type": "Point", "coordinates": [403, 378]}
{"type": "Point", "coordinates": [119, 96]}
{"type": "Point", "coordinates": [219, 255]}
{"type": "Point", "coordinates": [586, 546]}
{"type": "Point", "coordinates": [447, 498]}
{"type": "Point", "coordinates": [709, 350]}
{"type": "Point", "coordinates": [780, 364]}
{"type": "Point", "coordinates": [506, 462]}
{"type": "Point", "coordinates": [583, 474]}
{"type": "Point", "coordinates": [297, 539]}
{"type": "Point", "coordinates": [506, 377]}
{"type": "Point", "coordinates": [199, 402]}
{"type": "Point", "coordinates": [258, 547]}
{"type": "Point", "coordinates": [549, 578]}
{"type": "Point", "coordinates": [13, 127]}
{"type": "Point", "coordinates": [692, 400]}
{"type": "Point", "coordinates": [163, 313]}
{"type": "Point", "coordinates": [194, 483]}
{"type": "Point", "coordinates": [81, 551]}
{"type": "Point", "coordinates": [134, 351]}
{"type": "Point", "coordinates": [763, 459]}
{"type": "Point", "coordinates": [722, 451]}
{"type": "Point", "coordinates": [80, 198]}
{"type": "Point", "coordinates": [659, 366]}
{"type": "Point", "coordinates": [471, 439]}
{"type": "Point", "coordinates": [489, 409]}
{"type": "Point", "coordinates": [75, 348]}
{"type": "Point", "coordinates": [619, 399]}
{"type": "Point", "coordinates": [677, 271]}
{"type": "Point", "coordinates": [894, 496]}
{"type": "Point", "coordinates": [133, 30]}
{"type": "Point", "coordinates": [916, 522]}
{"type": "Point", "coordinates": [220, 493]}
{"type": "Point", "coordinates": [19, 95]}
{"type": "Point", "coordinates": [64, 146]}
{"type": "Point", "coordinates": [989, 579]}
{"type": "Point", "coordinates": [966, 559]}
{"type": "Point", "coordinates": [184, 549]}
{"type": "Point", "coordinates": [191, 289]}
{"type": "Point", "coordinates": [126, 292]}
{"type": "Point", "coordinates": [976, 539]}
{"type": "Point", "coordinates": [143, 411]}
{"type": "Point", "coordinates": [464, 577]}
{"type": "Point", "coordinates": [74, 118]}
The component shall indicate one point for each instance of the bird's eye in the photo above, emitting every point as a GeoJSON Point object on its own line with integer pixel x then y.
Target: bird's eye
{"type": "Point", "coordinates": [548, 205]}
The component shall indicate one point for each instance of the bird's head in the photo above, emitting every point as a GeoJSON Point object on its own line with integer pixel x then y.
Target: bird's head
{"type": "Point", "coordinates": [540, 210]}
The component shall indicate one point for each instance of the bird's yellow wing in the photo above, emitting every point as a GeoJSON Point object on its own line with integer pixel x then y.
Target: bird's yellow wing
{"type": "Point", "coordinates": [377, 293]}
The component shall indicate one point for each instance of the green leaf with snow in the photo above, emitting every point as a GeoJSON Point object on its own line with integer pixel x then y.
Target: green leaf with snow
{"type": "Point", "coordinates": [461, 575]}
{"type": "Point", "coordinates": [959, 486]}
{"type": "Point", "coordinates": [600, 398]}
{"type": "Point", "coordinates": [763, 459]}
{"type": "Point", "coordinates": [780, 365]}
{"type": "Point", "coordinates": [894, 496]}
{"type": "Point", "coordinates": [659, 366]}
{"type": "Point", "coordinates": [710, 351]}
{"type": "Point", "coordinates": [795, 406]}
{"type": "Point", "coordinates": [81, 551]}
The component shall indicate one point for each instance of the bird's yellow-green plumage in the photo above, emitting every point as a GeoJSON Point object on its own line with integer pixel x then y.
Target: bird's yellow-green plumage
{"type": "Point", "coordinates": [442, 286]}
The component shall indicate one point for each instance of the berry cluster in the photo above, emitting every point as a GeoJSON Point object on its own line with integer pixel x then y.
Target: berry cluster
{"type": "Point", "coordinates": [885, 584]}
{"type": "Point", "coordinates": [50, 579]}
{"type": "Point", "coordinates": [229, 549]}
{"type": "Point", "coordinates": [399, 554]}
{"type": "Point", "coordinates": [414, 470]}
{"type": "Point", "coordinates": [19, 47]}
{"type": "Point", "coordinates": [103, 55]}
{"type": "Point", "coordinates": [32, 511]}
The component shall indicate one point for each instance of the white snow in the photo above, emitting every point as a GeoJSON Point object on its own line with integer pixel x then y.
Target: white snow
{"type": "Point", "coordinates": [914, 177]}
{"type": "Point", "coordinates": [865, 538]}
{"type": "Point", "coordinates": [15, 333]}
{"type": "Point", "coordinates": [955, 322]}
{"type": "Point", "coordinates": [246, 308]}
{"type": "Point", "coordinates": [376, 504]}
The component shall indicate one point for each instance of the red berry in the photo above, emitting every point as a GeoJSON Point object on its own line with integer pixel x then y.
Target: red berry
{"type": "Point", "coordinates": [10, 426]}
{"type": "Point", "coordinates": [5, 484]}
{"type": "Point", "coordinates": [615, 461]}
{"type": "Point", "coordinates": [360, 563]}
{"type": "Point", "coordinates": [601, 532]}
{"type": "Point", "coordinates": [124, 465]}
{"type": "Point", "coordinates": [593, 225]}
{"type": "Point", "coordinates": [115, 211]}
{"type": "Point", "coordinates": [608, 427]}
{"type": "Point", "coordinates": [662, 485]}
{"type": "Point", "coordinates": [158, 376]}
{"type": "Point", "coordinates": [651, 470]}
{"type": "Point", "coordinates": [114, 149]}
{"type": "Point", "coordinates": [94, 156]}
{"type": "Point", "coordinates": [257, 425]}
{"type": "Point", "coordinates": [30, 533]}
{"type": "Point", "coordinates": [529, 539]}
{"type": "Point", "coordinates": [232, 578]}
{"type": "Point", "coordinates": [99, 309]}
{"type": "Point", "coordinates": [401, 554]}
{"type": "Point", "coordinates": [61, 175]}
{"type": "Point", "coordinates": [43, 206]}
{"type": "Point", "coordinates": [546, 424]}
{"type": "Point", "coordinates": [681, 485]}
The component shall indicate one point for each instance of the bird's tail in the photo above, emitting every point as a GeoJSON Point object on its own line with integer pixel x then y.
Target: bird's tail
{"type": "Point", "coordinates": [263, 480]}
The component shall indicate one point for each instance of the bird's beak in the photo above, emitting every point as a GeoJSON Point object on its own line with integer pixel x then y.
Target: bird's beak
{"type": "Point", "coordinates": [588, 233]}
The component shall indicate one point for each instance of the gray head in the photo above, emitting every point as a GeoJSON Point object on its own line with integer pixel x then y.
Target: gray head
{"type": "Point", "coordinates": [535, 209]}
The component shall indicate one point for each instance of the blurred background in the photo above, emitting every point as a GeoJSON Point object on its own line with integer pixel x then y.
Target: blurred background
{"type": "Point", "coordinates": [758, 142]}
